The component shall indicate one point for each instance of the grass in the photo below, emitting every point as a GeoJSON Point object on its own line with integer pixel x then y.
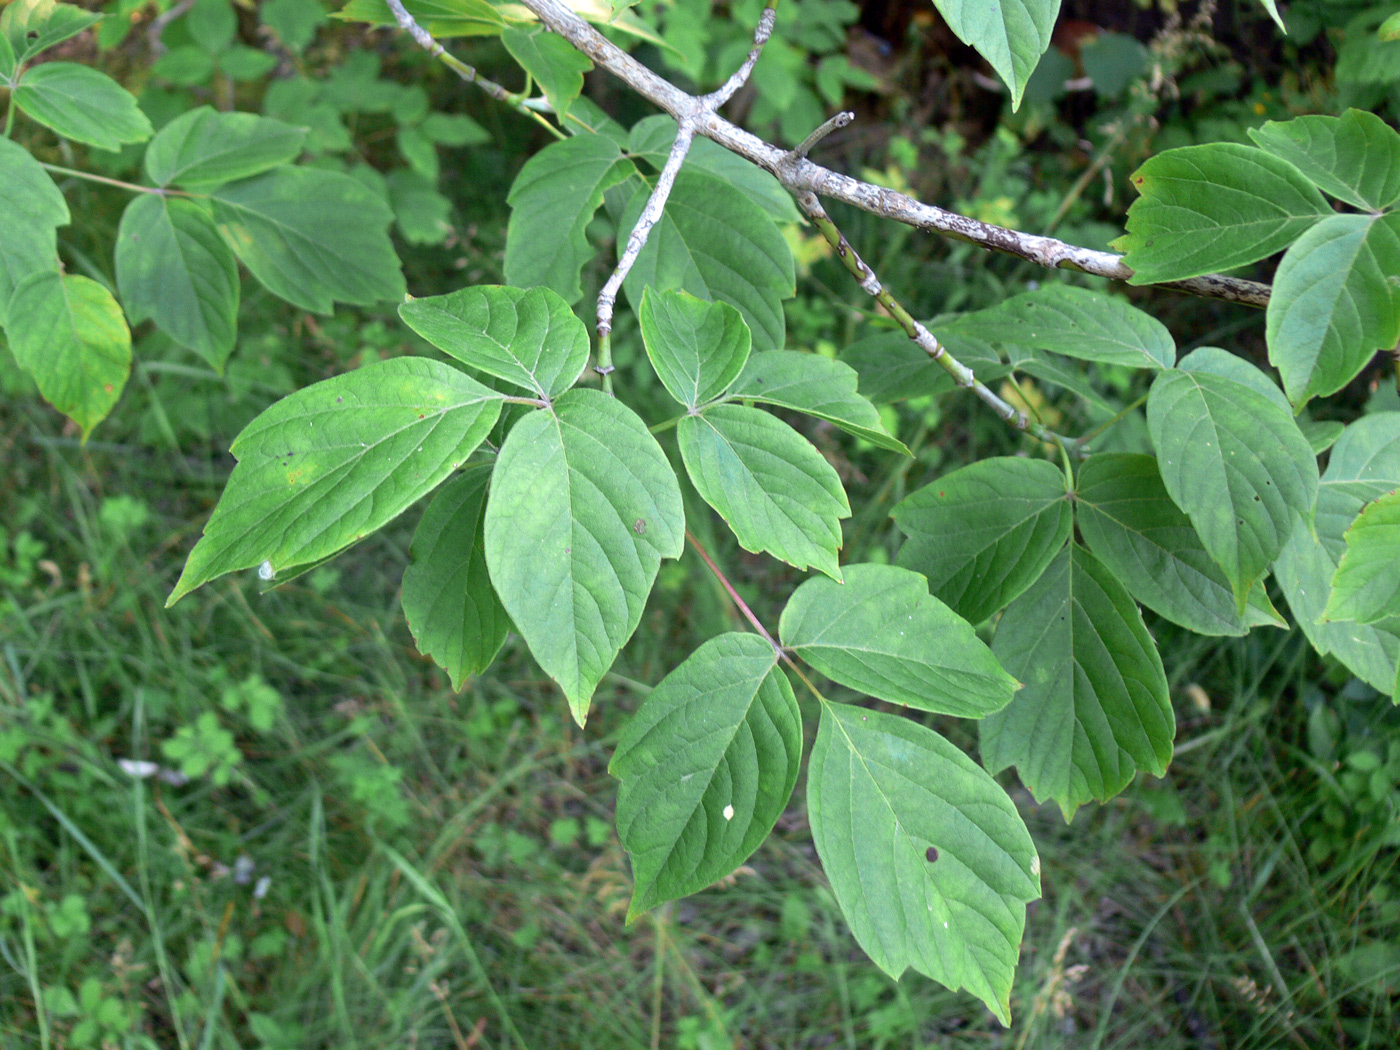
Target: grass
{"type": "Point", "coordinates": [440, 869]}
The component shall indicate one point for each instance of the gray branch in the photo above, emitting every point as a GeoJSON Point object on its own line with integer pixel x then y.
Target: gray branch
{"type": "Point", "coordinates": [800, 175]}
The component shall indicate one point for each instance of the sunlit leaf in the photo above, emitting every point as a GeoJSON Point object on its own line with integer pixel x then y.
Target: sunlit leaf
{"type": "Point", "coordinates": [698, 348]}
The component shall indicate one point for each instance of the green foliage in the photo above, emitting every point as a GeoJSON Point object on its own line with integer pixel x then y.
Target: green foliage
{"type": "Point", "coordinates": [556, 502]}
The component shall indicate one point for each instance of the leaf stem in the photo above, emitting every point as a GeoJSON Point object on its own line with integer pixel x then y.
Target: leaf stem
{"type": "Point", "coordinates": [9, 112]}
{"type": "Point", "coordinates": [133, 187]}
{"type": "Point", "coordinates": [1083, 441]}
{"type": "Point", "coordinates": [733, 594]}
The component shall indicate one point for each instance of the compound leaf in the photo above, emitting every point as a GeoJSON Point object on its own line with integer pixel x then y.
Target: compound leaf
{"type": "Point", "coordinates": [1236, 463]}
{"type": "Point", "coordinates": [331, 463]}
{"type": "Point", "coordinates": [1214, 207]}
{"type": "Point", "coordinates": [1354, 157]}
{"type": "Point", "coordinates": [447, 598]}
{"type": "Point", "coordinates": [717, 244]}
{"type": "Point", "coordinates": [289, 227]}
{"type": "Point", "coordinates": [584, 505]}
{"type": "Point", "coordinates": [766, 480]}
{"type": "Point", "coordinates": [1335, 303]}
{"type": "Point", "coordinates": [984, 533]}
{"type": "Point", "coordinates": [1143, 538]}
{"type": "Point", "coordinates": [881, 633]}
{"type": "Point", "coordinates": [204, 148]}
{"type": "Point", "coordinates": [69, 334]}
{"type": "Point", "coordinates": [929, 860]}
{"type": "Point", "coordinates": [173, 267]}
{"type": "Point", "coordinates": [552, 201]}
{"type": "Point", "coordinates": [706, 765]}
{"type": "Point", "coordinates": [81, 104]}
{"type": "Point", "coordinates": [816, 386]}
{"type": "Point", "coordinates": [1364, 465]}
{"type": "Point", "coordinates": [1095, 707]}
{"type": "Point", "coordinates": [698, 348]}
{"type": "Point", "coordinates": [1011, 35]}
{"type": "Point", "coordinates": [529, 338]}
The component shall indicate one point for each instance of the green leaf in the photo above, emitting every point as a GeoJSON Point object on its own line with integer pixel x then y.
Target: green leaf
{"type": "Point", "coordinates": [1367, 585]}
{"type": "Point", "coordinates": [892, 367]}
{"type": "Point", "coordinates": [1236, 463]}
{"type": "Point", "coordinates": [451, 609]}
{"type": "Point", "coordinates": [421, 213]}
{"type": "Point", "coordinates": [173, 267]}
{"type": "Point", "coordinates": [1132, 526]}
{"type": "Point", "coordinates": [1363, 466]}
{"type": "Point", "coordinates": [1076, 322]}
{"type": "Point", "coordinates": [929, 860]}
{"type": "Point", "coordinates": [556, 65]}
{"type": "Point", "coordinates": [766, 480]}
{"type": "Point", "coordinates": [1214, 207]}
{"type": "Point", "coordinates": [715, 243]}
{"type": "Point", "coordinates": [294, 22]}
{"type": "Point", "coordinates": [651, 139]}
{"type": "Point", "coordinates": [69, 334]}
{"type": "Point", "coordinates": [584, 506]}
{"type": "Point", "coordinates": [817, 386]}
{"type": "Point", "coordinates": [983, 534]}
{"type": "Point", "coordinates": [186, 65]}
{"type": "Point", "coordinates": [32, 26]}
{"type": "Point", "coordinates": [1335, 303]}
{"type": "Point", "coordinates": [204, 148]}
{"type": "Point", "coordinates": [212, 24]}
{"type": "Point", "coordinates": [441, 18]}
{"type": "Point", "coordinates": [454, 129]}
{"type": "Point", "coordinates": [1068, 375]}
{"type": "Point", "coordinates": [33, 207]}
{"type": "Point", "coordinates": [1011, 34]}
{"type": "Point", "coordinates": [529, 338]}
{"type": "Point", "coordinates": [880, 633]}
{"type": "Point", "coordinates": [328, 465]}
{"type": "Point", "coordinates": [698, 348]}
{"type": "Point", "coordinates": [552, 201]}
{"type": "Point", "coordinates": [289, 228]}
{"type": "Point", "coordinates": [706, 766]}
{"type": "Point", "coordinates": [1354, 157]}
{"type": "Point", "coordinates": [419, 151]}
{"type": "Point", "coordinates": [1220, 362]}
{"type": "Point", "coordinates": [81, 104]}
{"type": "Point", "coordinates": [1095, 707]}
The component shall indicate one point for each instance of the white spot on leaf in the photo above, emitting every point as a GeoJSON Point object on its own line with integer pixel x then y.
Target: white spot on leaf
{"type": "Point", "coordinates": [728, 812]}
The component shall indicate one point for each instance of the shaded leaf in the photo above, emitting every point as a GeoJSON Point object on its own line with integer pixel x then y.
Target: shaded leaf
{"type": "Point", "coordinates": [204, 148]}
{"type": "Point", "coordinates": [552, 201]}
{"type": "Point", "coordinates": [69, 334]}
{"type": "Point", "coordinates": [82, 104]}
{"type": "Point", "coordinates": [1076, 322]}
{"type": "Point", "coordinates": [1143, 538]}
{"type": "Point", "coordinates": [766, 480]}
{"type": "Point", "coordinates": [881, 633]}
{"type": "Point", "coordinates": [1363, 466]}
{"type": "Point", "coordinates": [328, 465]}
{"type": "Point", "coordinates": [892, 367]}
{"type": "Point", "coordinates": [885, 794]}
{"type": "Point", "coordinates": [288, 226]}
{"type": "Point", "coordinates": [982, 534]}
{"type": "Point", "coordinates": [1236, 463]}
{"type": "Point", "coordinates": [715, 243]}
{"type": "Point", "coordinates": [1354, 157]}
{"type": "Point", "coordinates": [698, 348]}
{"type": "Point", "coordinates": [451, 609]}
{"type": "Point", "coordinates": [1335, 303]}
{"type": "Point", "coordinates": [816, 386]}
{"type": "Point", "coordinates": [1220, 362]}
{"type": "Point", "coordinates": [33, 207]}
{"type": "Point", "coordinates": [529, 338]}
{"type": "Point", "coordinates": [1095, 707]}
{"type": "Point", "coordinates": [1214, 207]}
{"type": "Point", "coordinates": [707, 766]}
{"type": "Point", "coordinates": [174, 268]}
{"type": "Point", "coordinates": [583, 507]}
{"type": "Point", "coordinates": [441, 18]}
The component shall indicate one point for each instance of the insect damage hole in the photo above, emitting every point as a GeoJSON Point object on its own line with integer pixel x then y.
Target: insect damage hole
{"type": "Point", "coordinates": [931, 854]}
